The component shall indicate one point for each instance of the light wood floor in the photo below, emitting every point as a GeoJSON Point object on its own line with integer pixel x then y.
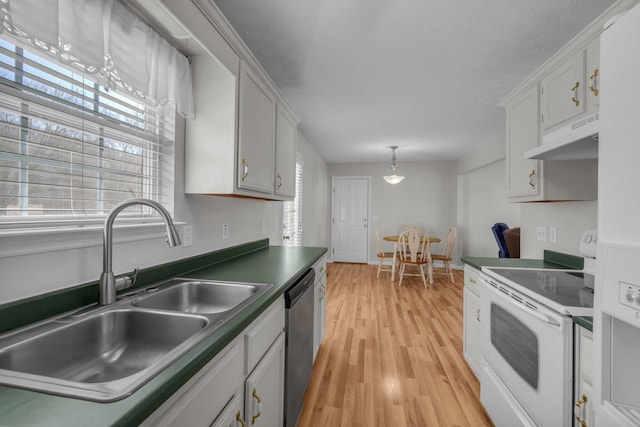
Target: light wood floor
{"type": "Point", "coordinates": [391, 356]}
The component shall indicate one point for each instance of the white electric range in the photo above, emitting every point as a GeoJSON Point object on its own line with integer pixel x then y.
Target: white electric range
{"type": "Point", "coordinates": [527, 343]}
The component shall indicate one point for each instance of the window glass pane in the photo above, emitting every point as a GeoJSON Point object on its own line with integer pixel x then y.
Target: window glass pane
{"type": "Point", "coordinates": [292, 213]}
{"type": "Point", "coordinates": [70, 148]}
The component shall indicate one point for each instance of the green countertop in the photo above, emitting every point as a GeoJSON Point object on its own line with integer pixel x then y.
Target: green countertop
{"type": "Point", "coordinates": [278, 265]}
{"type": "Point", "coordinates": [551, 260]}
{"type": "Point", "coordinates": [584, 321]}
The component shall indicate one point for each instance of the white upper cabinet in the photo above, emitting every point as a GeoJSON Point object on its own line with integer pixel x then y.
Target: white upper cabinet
{"type": "Point", "coordinates": [592, 53]}
{"type": "Point", "coordinates": [257, 133]}
{"type": "Point", "coordinates": [210, 139]}
{"type": "Point", "coordinates": [243, 139]}
{"type": "Point", "coordinates": [286, 136]}
{"type": "Point", "coordinates": [522, 134]}
{"type": "Point", "coordinates": [571, 90]}
{"type": "Point", "coordinates": [562, 92]}
{"type": "Point", "coordinates": [561, 96]}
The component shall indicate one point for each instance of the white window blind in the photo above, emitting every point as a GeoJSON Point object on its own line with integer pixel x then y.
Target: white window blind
{"type": "Point", "coordinates": [70, 149]}
{"type": "Point", "coordinates": [292, 213]}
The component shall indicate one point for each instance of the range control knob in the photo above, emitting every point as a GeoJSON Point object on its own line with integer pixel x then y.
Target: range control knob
{"type": "Point", "coordinates": [630, 298]}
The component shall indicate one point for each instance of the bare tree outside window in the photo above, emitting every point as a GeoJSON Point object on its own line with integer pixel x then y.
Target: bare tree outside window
{"type": "Point", "coordinates": [69, 148]}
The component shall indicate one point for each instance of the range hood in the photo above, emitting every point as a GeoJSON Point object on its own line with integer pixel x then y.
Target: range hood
{"type": "Point", "coordinates": [577, 140]}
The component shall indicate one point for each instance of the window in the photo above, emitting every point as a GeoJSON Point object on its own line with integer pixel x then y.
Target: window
{"type": "Point", "coordinates": [69, 148]}
{"type": "Point", "coordinates": [77, 135]}
{"type": "Point", "coordinates": [292, 213]}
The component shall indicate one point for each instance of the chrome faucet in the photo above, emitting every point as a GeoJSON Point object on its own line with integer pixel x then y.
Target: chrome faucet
{"type": "Point", "coordinates": [108, 284]}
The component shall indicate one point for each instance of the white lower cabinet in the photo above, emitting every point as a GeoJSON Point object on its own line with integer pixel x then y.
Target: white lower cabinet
{"type": "Point", "coordinates": [319, 303]}
{"type": "Point", "coordinates": [264, 389]}
{"type": "Point", "coordinates": [231, 416]}
{"type": "Point", "coordinates": [583, 407]}
{"type": "Point", "coordinates": [222, 392]}
{"type": "Point", "coordinates": [471, 338]}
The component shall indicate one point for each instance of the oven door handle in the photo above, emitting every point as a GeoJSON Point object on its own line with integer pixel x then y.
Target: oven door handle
{"type": "Point", "coordinates": [492, 286]}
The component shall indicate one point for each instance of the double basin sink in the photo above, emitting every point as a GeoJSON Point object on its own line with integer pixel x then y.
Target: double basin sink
{"type": "Point", "coordinates": [106, 353]}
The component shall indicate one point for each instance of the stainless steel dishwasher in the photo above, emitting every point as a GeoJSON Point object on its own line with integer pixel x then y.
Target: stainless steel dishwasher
{"type": "Point", "coordinates": [299, 345]}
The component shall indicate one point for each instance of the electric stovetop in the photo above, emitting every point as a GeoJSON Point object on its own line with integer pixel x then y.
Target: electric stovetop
{"type": "Point", "coordinates": [568, 292]}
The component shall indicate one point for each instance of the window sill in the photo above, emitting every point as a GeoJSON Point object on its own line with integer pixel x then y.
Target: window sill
{"type": "Point", "coordinates": [28, 241]}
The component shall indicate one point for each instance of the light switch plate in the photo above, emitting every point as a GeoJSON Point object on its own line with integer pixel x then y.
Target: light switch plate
{"type": "Point", "coordinates": [541, 233]}
{"type": "Point", "coordinates": [187, 236]}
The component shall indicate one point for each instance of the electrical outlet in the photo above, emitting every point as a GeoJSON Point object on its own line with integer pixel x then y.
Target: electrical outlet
{"type": "Point", "coordinates": [553, 234]}
{"type": "Point", "coordinates": [225, 231]}
{"type": "Point", "coordinates": [187, 236]}
{"type": "Point", "coordinates": [541, 233]}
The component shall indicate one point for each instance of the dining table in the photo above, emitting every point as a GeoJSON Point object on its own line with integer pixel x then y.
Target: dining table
{"type": "Point", "coordinates": [395, 239]}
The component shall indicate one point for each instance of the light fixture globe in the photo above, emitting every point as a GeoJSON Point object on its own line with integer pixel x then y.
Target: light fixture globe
{"type": "Point", "coordinates": [393, 179]}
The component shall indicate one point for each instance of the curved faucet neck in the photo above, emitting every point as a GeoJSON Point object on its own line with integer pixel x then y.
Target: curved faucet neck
{"type": "Point", "coordinates": [107, 284]}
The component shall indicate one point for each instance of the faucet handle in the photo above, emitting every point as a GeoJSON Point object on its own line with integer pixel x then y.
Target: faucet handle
{"type": "Point", "coordinates": [125, 282]}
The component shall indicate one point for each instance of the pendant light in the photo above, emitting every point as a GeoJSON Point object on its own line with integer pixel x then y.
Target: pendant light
{"type": "Point", "coordinates": [393, 179]}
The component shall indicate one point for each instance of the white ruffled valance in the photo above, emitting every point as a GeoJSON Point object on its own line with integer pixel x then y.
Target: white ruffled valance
{"type": "Point", "coordinates": [104, 39]}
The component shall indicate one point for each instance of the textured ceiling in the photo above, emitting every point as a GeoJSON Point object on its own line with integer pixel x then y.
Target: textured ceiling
{"type": "Point", "coordinates": [425, 75]}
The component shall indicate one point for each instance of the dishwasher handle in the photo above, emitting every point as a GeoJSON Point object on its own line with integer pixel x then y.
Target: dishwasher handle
{"type": "Point", "coordinates": [296, 290]}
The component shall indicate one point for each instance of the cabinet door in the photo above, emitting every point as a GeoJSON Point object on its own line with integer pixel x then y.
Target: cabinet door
{"type": "Point", "coordinates": [264, 389]}
{"type": "Point", "coordinates": [471, 336]}
{"type": "Point", "coordinates": [257, 130]}
{"type": "Point", "coordinates": [231, 416]}
{"type": "Point", "coordinates": [593, 76]}
{"type": "Point", "coordinates": [583, 408]}
{"type": "Point", "coordinates": [563, 92]}
{"type": "Point", "coordinates": [322, 321]}
{"type": "Point", "coordinates": [286, 133]}
{"type": "Point", "coordinates": [319, 312]}
{"type": "Point", "coordinates": [205, 396]}
{"type": "Point", "coordinates": [522, 134]}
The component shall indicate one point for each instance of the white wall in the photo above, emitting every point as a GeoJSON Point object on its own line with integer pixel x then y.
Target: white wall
{"type": "Point", "coordinates": [32, 274]}
{"type": "Point", "coordinates": [570, 218]}
{"type": "Point", "coordinates": [426, 197]}
{"type": "Point", "coordinates": [315, 201]}
{"type": "Point", "coordinates": [482, 203]}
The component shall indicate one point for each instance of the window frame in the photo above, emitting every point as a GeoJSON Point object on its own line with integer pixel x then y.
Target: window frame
{"type": "Point", "coordinates": [23, 235]}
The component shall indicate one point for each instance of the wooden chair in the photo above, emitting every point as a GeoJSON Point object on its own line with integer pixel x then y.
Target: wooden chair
{"type": "Point", "coordinates": [382, 255]}
{"type": "Point", "coordinates": [409, 227]}
{"type": "Point", "coordinates": [445, 255]}
{"type": "Point", "coordinates": [414, 252]}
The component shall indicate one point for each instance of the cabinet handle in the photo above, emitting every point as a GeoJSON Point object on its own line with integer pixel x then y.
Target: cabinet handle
{"type": "Point", "coordinates": [574, 98]}
{"type": "Point", "coordinates": [531, 175]}
{"type": "Point", "coordinates": [255, 396]}
{"type": "Point", "coordinates": [582, 401]}
{"type": "Point", "coordinates": [472, 280]}
{"type": "Point", "coordinates": [279, 181]}
{"type": "Point", "coordinates": [581, 421]}
{"type": "Point", "coordinates": [594, 86]}
{"type": "Point", "coordinates": [240, 420]}
{"type": "Point", "coordinates": [478, 315]}
{"type": "Point", "coordinates": [245, 168]}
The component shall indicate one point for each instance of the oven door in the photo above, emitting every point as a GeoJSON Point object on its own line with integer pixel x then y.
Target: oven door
{"type": "Point", "coordinates": [529, 348]}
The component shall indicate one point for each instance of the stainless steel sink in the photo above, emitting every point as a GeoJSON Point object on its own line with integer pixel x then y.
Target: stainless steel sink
{"type": "Point", "coordinates": [106, 347]}
{"type": "Point", "coordinates": [106, 353]}
{"type": "Point", "coordinates": [199, 296]}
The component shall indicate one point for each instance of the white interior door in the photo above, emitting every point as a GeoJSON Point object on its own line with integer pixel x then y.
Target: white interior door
{"type": "Point", "coordinates": [350, 229]}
